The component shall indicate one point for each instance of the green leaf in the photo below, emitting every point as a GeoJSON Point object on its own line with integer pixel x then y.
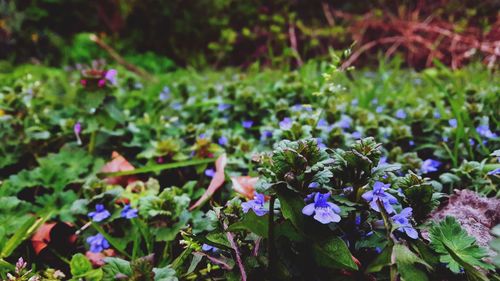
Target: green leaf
{"type": "Point", "coordinates": [253, 223]}
{"type": "Point", "coordinates": [158, 168]}
{"type": "Point", "coordinates": [333, 253]}
{"type": "Point", "coordinates": [26, 230]}
{"type": "Point", "coordinates": [406, 261]}
{"type": "Point", "coordinates": [165, 274]}
{"type": "Point", "coordinates": [381, 261]}
{"type": "Point", "coordinates": [115, 266]}
{"type": "Point", "coordinates": [455, 246]}
{"type": "Point", "coordinates": [79, 265]}
{"type": "Point", "coordinates": [291, 207]}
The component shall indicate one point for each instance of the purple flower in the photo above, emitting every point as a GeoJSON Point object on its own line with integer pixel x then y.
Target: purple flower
{"type": "Point", "coordinates": [100, 213]}
{"type": "Point", "coordinates": [297, 107]}
{"type": "Point", "coordinates": [247, 124]}
{"type": "Point", "coordinates": [323, 125]}
{"type": "Point", "coordinates": [356, 135]}
{"type": "Point", "coordinates": [97, 243]}
{"type": "Point", "coordinates": [453, 123]}
{"type": "Point", "coordinates": [402, 221]}
{"type": "Point", "coordinates": [265, 135]}
{"type": "Point", "coordinates": [494, 172]}
{"type": "Point", "coordinates": [210, 173]}
{"type": "Point", "coordinates": [374, 101]}
{"type": "Point", "coordinates": [313, 185]}
{"type": "Point", "coordinates": [411, 143]}
{"type": "Point", "coordinates": [320, 143]}
{"type": "Point", "coordinates": [111, 76]}
{"type": "Point", "coordinates": [472, 142]}
{"type": "Point", "coordinates": [128, 212]}
{"type": "Point", "coordinates": [325, 212]}
{"type": "Point", "coordinates": [257, 205]}
{"type": "Point", "coordinates": [223, 107]}
{"type": "Point", "coordinates": [379, 109]}
{"type": "Point", "coordinates": [202, 136]}
{"type": "Point", "coordinates": [344, 122]}
{"type": "Point", "coordinates": [429, 166]}
{"type": "Point", "coordinates": [437, 115]}
{"type": "Point", "coordinates": [382, 161]}
{"type": "Point", "coordinates": [165, 94]}
{"type": "Point", "coordinates": [177, 106]}
{"type": "Point", "coordinates": [209, 248]}
{"type": "Point", "coordinates": [379, 193]}
{"type": "Point", "coordinates": [286, 123]}
{"type": "Point", "coordinates": [354, 102]}
{"type": "Point", "coordinates": [400, 114]}
{"type": "Point", "coordinates": [223, 140]}
{"type": "Point", "coordinates": [484, 131]}
{"type": "Point", "coordinates": [77, 130]}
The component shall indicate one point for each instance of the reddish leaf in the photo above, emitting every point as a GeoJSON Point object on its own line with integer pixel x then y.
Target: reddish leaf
{"type": "Point", "coordinates": [42, 237]}
{"type": "Point", "coordinates": [97, 259]}
{"type": "Point", "coordinates": [216, 182]}
{"type": "Point", "coordinates": [245, 185]}
{"type": "Point", "coordinates": [118, 164]}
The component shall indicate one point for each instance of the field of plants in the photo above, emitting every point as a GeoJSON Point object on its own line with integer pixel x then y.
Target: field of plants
{"type": "Point", "coordinates": [314, 174]}
{"type": "Point", "coordinates": [250, 140]}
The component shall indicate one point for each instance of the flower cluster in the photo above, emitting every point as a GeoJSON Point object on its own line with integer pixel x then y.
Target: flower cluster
{"type": "Point", "coordinates": [379, 192]}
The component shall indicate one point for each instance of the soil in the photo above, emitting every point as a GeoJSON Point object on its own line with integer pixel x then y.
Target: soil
{"type": "Point", "coordinates": [477, 214]}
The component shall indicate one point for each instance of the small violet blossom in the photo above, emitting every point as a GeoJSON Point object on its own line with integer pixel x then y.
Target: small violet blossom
{"type": "Point", "coordinates": [356, 135]}
{"type": "Point", "coordinates": [379, 193]}
{"type": "Point", "coordinates": [164, 94]}
{"type": "Point", "coordinates": [453, 123]}
{"type": "Point", "coordinates": [325, 212]}
{"type": "Point", "coordinates": [286, 123]}
{"type": "Point", "coordinates": [313, 185]}
{"type": "Point", "coordinates": [210, 173]}
{"type": "Point", "coordinates": [111, 76]}
{"type": "Point", "coordinates": [402, 221]}
{"type": "Point", "coordinates": [320, 143]}
{"type": "Point", "coordinates": [209, 248]}
{"type": "Point", "coordinates": [323, 125]}
{"type": "Point", "coordinates": [128, 212]}
{"type": "Point", "coordinates": [257, 205]}
{"type": "Point", "coordinates": [77, 129]}
{"type": "Point", "coordinates": [400, 114]}
{"type": "Point", "coordinates": [97, 243]}
{"type": "Point", "coordinates": [247, 124]}
{"type": "Point", "coordinates": [429, 166]}
{"type": "Point", "coordinates": [100, 213]}
{"type": "Point", "coordinates": [344, 122]}
{"type": "Point", "coordinates": [223, 107]}
{"type": "Point", "coordinates": [379, 109]}
{"type": "Point", "coordinates": [494, 172]}
{"type": "Point", "coordinates": [223, 141]}
{"type": "Point", "coordinates": [266, 135]}
{"type": "Point", "coordinates": [484, 131]}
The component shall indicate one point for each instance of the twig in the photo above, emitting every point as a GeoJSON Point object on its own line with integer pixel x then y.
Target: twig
{"type": "Point", "coordinates": [119, 59]}
{"type": "Point", "coordinates": [230, 238]}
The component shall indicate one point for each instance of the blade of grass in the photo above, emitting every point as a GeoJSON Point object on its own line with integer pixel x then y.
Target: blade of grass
{"type": "Point", "coordinates": [158, 168]}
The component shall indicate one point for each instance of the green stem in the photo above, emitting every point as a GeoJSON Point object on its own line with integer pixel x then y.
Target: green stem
{"type": "Point", "coordinates": [270, 243]}
{"type": "Point", "coordinates": [92, 142]}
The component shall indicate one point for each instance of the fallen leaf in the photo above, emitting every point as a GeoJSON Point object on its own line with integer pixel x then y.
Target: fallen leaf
{"type": "Point", "coordinates": [118, 164]}
{"type": "Point", "coordinates": [97, 259]}
{"type": "Point", "coordinates": [43, 236]}
{"type": "Point", "coordinates": [216, 183]}
{"type": "Point", "coordinates": [245, 185]}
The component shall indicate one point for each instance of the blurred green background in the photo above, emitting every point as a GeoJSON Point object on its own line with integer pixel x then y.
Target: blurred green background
{"type": "Point", "coordinates": [161, 35]}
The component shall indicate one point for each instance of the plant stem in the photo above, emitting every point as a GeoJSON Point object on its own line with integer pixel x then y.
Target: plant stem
{"type": "Point", "coordinates": [92, 142]}
{"type": "Point", "coordinates": [270, 237]}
